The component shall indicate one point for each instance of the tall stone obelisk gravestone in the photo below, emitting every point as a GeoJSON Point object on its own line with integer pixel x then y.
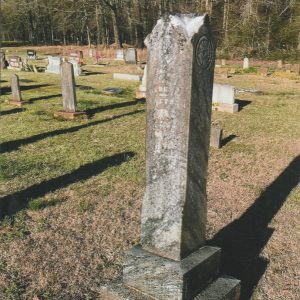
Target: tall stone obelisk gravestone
{"type": "Point", "coordinates": [15, 91]}
{"type": "Point", "coordinates": [68, 93]}
{"type": "Point", "coordinates": [172, 261]}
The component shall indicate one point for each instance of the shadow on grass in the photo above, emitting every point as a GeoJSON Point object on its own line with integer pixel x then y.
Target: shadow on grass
{"type": "Point", "coordinates": [11, 204]}
{"type": "Point", "coordinates": [93, 111]}
{"type": "Point", "coordinates": [14, 145]}
{"type": "Point", "coordinates": [243, 239]}
{"type": "Point", "coordinates": [228, 139]}
{"type": "Point", "coordinates": [242, 103]}
{"type": "Point", "coordinates": [11, 111]}
{"type": "Point", "coordinates": [7, 89]}
{"type": "Point", "coordinates": [88, 73]}
{"type": "Point", "coordinates": [31, 100]}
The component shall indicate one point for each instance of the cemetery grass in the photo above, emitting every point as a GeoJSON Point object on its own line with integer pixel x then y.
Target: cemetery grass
{"type": "Point", "coordinates": [77, 187]}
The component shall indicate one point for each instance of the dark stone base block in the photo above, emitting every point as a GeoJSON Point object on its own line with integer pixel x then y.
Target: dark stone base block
{"type": "Point", "coordinates": [16, 103]}
{"type": "Point", "coordinates": [224, 288]}
{"type": "Point", "coordinates": [70, 115]}
{"type": "Point", "coordinates": [147, 276]}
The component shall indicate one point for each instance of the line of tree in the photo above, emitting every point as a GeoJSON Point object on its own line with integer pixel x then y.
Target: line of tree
{"type": "Point", "coordinates": [255, 26]}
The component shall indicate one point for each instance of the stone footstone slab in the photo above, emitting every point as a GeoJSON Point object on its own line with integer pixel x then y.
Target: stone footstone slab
{"type": "Point", "coordinates": [163, 278]}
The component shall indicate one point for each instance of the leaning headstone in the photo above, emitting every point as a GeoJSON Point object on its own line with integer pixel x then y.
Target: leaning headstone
{"type": "Point", "coordinates": [173, 261]}
{"type": "Point", "coordinates": [31, 54]}
{"type": "Point", "coordinates": [68, 93]}
{"type": "Point", "coordinates": [141, 92]}
{"type": "Point", "coordinates": [15, 91]}
{"type": "Point", "coordinates": [54, 64]}
{"type": "Point", "coordinates": [224, 98]}
{"type": "Point", "coordinates": [3, 64]}
{"type": "Point", "coordinates": [119, 54]}
{"type": "Point", "coordinates": [130, 56]}
{"type": "Point", "coordinates": [216, 137]}
{"type": "Point", "coordinates": [15, 63]}
{"type": "Point", "coordinates": [246, 63]}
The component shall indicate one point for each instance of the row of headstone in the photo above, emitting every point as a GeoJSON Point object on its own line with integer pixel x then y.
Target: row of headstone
{"type": "Point", "coordinates": [173, 260]}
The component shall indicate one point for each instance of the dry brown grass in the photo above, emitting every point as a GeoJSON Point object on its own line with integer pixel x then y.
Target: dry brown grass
{"type": "Point", "coordinates": [74, 243]}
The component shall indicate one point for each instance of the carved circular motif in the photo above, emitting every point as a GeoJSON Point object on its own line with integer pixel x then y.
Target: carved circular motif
{"type": "Point", "coordinates": [204, 53]}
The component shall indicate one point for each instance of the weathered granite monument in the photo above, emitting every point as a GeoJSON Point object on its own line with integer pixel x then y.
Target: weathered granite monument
{"type": "Point", "coordinates": [54, 64]}
{"type": "Point", "coordinates": [173, 261]}
{"type": "Point", "coordinates": [68, 93]}
{"type": "Point", "coordinates": [130, 56]}
{"type": "Point", "coordinates": [15, 91]}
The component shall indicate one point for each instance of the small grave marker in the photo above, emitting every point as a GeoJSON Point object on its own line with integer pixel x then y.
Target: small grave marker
{"type": "Point", "coordinates": [121, 76]}
{"type": "Point", "coordinates": [130, 56]}
{"type": "Point", "coordinates": [15, 63]}
{"type": "Point", "coordinates": [279, 64]}
{"type": "Point", "coordinates": [16, 91]}
{"type": "Point", "coordinates": [141, 92]}
{"type": "Point", "coordinates": [31, 54]}
{"type": "Point", "coordinates": [54, 64]}
{"type": "Point", "coordinates": [216, 137]}
{"type": "Point", "coordinates": [68, 93]}
{"type": "Point", "coordinates": [246, 63]}
{"type": "Point", "coordinates": [119, 54]}
{"type": "Point", "coordinates": [224, 98]}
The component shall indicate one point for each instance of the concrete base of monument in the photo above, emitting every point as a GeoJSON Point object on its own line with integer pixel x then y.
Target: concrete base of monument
{"type": "Point", "coordinates": [70, 115]}
{"type": "Point", "coordinates": [16, 103]}
{"type": "Point", "coordinates": [148, 276]}
{"type": "Point", "coordinates": [231, 108]}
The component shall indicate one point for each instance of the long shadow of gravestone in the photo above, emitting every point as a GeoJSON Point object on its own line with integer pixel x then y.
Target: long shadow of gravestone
{"type": "Point", "coordinates": [14, 145]}
{"type": "Point", "coordinates": [13, 203]}
{"type": "Point", "coordinates": [243, 239]}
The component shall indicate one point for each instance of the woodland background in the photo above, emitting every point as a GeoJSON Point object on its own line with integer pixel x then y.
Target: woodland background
{"type": "Point", "coordinates": [258, 28]}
